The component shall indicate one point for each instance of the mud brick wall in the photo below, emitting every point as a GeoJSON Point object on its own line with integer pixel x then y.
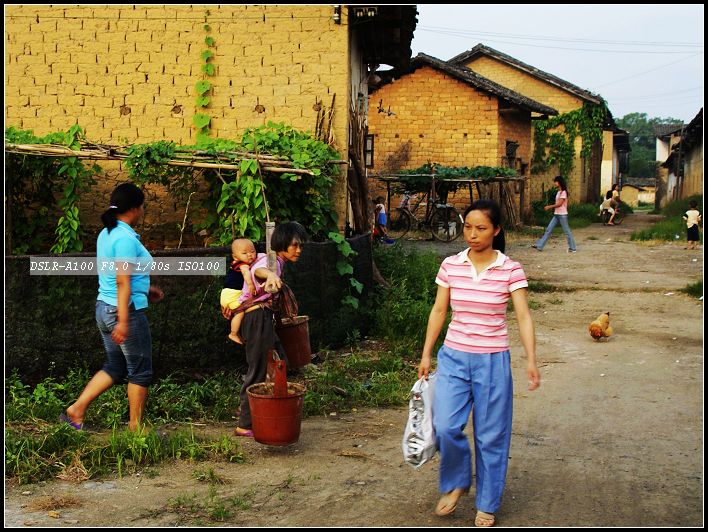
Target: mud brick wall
{"type": "Point", "coordinates": [50, 323]}
{"type": "Point", "coordinates": [445, 120]}
{"type": "Point", "coordinates": [126, 73]}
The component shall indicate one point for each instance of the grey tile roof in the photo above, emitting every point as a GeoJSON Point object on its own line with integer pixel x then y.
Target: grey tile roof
{"type": "Point", "coordinates": [664, 130]}
{"type": "Point", "coordinates": [479, 82]}
{"type": "Point", "coordinates": [481, 49]}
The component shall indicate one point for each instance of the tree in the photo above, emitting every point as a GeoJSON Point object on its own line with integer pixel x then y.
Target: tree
{"type": "Point", "coordinates": [642, 141]}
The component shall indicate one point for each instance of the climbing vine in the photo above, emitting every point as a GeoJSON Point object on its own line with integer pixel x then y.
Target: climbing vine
{"type": "Point", "coordinates": [36, 185]}
{"type": "Point", "coordinates": [234, 202]}
{"type": "Point", "coordinates": [290, 196]}
{"type": "Point", "coordinates": [202, 120]}
{"type": "Point", "coordinates": [346, 270]}
{"type": "Point", "coordinates": [558, 147]}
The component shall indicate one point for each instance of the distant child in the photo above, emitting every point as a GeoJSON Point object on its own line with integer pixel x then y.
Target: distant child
{"type": "Point", "coordinates": [693, 218]}
{"type": "Point", "coordinates": [380, 219]}
{"type": "Point", "coordinates": [234, 293]}
{"type": "Point", "coordinates": [608, 205]}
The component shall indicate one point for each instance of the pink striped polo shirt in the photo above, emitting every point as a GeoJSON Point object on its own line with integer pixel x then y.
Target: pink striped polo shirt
{"type": "Point", "coordinates": [479, 301]}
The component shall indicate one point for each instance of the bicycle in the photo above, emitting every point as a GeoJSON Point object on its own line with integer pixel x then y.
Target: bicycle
{"type": "Point", "coordinates": [441, 219]}
{"type": "Point", "coordinates": [605, 215]}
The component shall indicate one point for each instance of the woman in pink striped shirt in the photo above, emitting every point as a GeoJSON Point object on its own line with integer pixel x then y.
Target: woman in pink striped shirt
{"type": "Point", "coordinates": [474, 366]}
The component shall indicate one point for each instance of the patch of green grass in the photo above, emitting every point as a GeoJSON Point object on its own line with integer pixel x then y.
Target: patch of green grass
{"type": "Point", "coordinates": [209, 476]}
{"type": "Point", "coordinates": [541, 287]}
{"type": "Point", "coordinates": [667, 229]}
{"type": "Point", "coordinates": [34, 453]}
{"type": "Point", "coordinates": [402, 313]}
{"type": "Point", "coordinates": [193, 509]}
{"type": "Point", "coordinates": [243, 501]}
{"type": "Point", "coordinates": [359, 378]}
{"type": "Point", "coordinates": [694, 290]}
{"type": "Point", "coordinates": [533, 305]}
{"type": "Point", "coordinates": [174, 398]}
{"type": "Point", "coordinates": [672, 227]}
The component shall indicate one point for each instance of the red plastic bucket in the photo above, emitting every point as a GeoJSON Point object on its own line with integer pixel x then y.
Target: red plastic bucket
{"type": "Point", "coordinates": [294, 334]}
{"type": "Point", "coordinates": [275, 420]}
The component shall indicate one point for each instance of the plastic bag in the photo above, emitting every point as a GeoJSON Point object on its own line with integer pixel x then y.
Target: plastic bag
{"type": "Point", "coordinates": [419, 444]}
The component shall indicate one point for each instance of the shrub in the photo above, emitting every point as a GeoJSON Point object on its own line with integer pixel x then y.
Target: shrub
{"type": "Point", "coordinates": [672, 227]}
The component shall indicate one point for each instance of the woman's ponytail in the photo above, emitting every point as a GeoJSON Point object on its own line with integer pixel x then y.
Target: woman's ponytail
{"type": "Point", "coordinates": [109, 217]}
{"type": "Point", "coordinates": [124, 197]}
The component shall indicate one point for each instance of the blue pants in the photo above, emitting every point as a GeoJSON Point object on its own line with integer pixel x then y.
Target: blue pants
{"type": "Point", "coordinates": [480, 383]}
{"type": "Point", "coordinates": [563, 220]}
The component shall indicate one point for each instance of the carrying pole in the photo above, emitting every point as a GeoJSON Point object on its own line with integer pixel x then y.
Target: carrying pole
{"type": "Point", "coordinates": [272, 257]}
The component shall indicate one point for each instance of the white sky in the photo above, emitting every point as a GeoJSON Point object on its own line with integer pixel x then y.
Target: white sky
{"type": "Point", "coordinates": [640, 59]}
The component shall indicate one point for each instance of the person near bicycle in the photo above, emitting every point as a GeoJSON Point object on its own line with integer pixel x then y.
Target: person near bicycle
{"type": "Point", "coordinates": [380, 220]}
{"type": "Point", "coordinates": [608, 205]}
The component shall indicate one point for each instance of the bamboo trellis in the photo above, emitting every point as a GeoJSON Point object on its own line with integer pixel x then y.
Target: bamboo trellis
{"type": "Point", "coordinates": [182, 157]}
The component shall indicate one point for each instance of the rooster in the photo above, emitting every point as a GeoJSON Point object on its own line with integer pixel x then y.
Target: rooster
{"type": "Point", "coordinates": [600, 328]}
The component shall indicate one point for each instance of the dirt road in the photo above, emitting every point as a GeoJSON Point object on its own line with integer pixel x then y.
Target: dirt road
{"type": "Point", "coordinates": [612, 438]}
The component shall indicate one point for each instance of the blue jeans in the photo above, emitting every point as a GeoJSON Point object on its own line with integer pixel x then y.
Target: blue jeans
{"type": "Point", "coordinates": [130, 361]}
{"type": "Point", "coordinates": [479, 383]}
{"type": "Point", "coordinates": [563, 220]}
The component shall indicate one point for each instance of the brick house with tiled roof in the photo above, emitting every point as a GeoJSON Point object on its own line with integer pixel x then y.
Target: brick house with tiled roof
{"type": "Point", "coordinates": [450, 115]}
{"type": "Point", "coordinates": [606, 161]}
{"type": "Point", "coordinates": [681, 171]}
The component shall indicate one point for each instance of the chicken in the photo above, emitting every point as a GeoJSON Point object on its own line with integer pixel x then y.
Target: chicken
{"type": "Point", "coordinates": [600, 328]}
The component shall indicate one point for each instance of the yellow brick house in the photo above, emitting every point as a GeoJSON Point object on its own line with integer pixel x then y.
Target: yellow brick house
{"type": "Point", "coordinates": [126, 73]}
{"type": "Point", "coordinates": [682, 169]}
{"type": "Point", "coordinates": [605, 162]}
{"type": "Point", "coordinates": [440, 113]}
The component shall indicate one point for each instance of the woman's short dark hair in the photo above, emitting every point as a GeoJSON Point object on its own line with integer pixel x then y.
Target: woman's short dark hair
{"type": "Point", "coordinates": [286, 234]}
{"type": "Point", "coordinates": [608, 195]}
{"type": "Point", "coordinates": [493, 211]}
{"type": "Point", "coordinates": [124, 197]}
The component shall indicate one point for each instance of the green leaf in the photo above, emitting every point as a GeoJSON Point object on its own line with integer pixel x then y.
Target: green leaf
{"type": "Point", "coordinates": [202, 87]}
{"type": "Point", "coordinates": [209, 69]}
{"type": "Point", "coordinates": [201, 120]}
{"type": "Point", "coordinates": [350, 301]}
{"type": "Point", "coordinates": [346, 249]}
{"type": "Point", "coordinates": [246, 166]}
{"type": "Point", "coordinates": [206, 55]}
{"type": "Point", "coordinates": [344, 268]}
{"type": "Point", "coordinates": [202, 101]}
{"type": "Point", "coordinates": [356, 284]}
{"type": "Point", "coordinates": [209, 41]}
{"type": "Point", "coordinates": [336, 237]}
{"type": "Point", "coordinates": [203, 137]}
